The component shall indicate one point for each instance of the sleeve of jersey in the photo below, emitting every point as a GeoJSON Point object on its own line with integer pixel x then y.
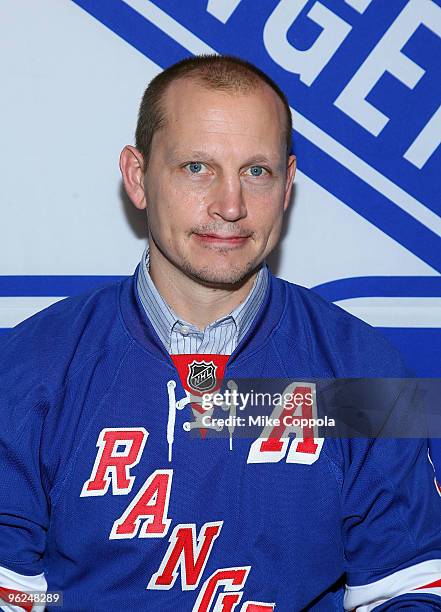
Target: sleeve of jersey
{"type": "Point", "coordinates": [23, 501]}
{"type": "Point", "coordinates": [391, 526]}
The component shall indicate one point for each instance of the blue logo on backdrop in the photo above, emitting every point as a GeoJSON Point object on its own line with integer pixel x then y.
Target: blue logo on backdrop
{"type": "Point", "coordinates": [362, 79]}
{"type": "Point", "coordinates": [361, 76]}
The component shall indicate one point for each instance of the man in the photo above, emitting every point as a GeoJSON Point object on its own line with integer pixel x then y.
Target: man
{"type": "Point", "coordinates": [113, 490]}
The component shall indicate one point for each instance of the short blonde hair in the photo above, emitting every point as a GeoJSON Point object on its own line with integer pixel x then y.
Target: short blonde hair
{"type": "Point", "coordinates": [221, 72]}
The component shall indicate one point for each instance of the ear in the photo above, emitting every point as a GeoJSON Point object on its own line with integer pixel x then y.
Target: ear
{"type": "Point", "coordinates": [290, 174]}
{"type": "Point", "coordinates": [131, 163]}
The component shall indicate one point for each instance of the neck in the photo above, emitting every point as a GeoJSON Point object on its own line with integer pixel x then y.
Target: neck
{"type": "Point", "coordinates": [193, 301]}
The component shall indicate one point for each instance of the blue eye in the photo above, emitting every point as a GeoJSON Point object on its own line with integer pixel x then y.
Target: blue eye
{"type": "Point", "coordinates": [195, 167]}
{"type": "Point", "coordinates": [257, 171]}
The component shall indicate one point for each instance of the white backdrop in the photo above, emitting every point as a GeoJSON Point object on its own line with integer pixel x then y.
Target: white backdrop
{"type": "Point", "coordinates": [70, 94]}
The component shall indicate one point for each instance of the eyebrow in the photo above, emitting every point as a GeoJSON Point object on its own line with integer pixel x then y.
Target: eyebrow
{"type": "Point", "coordinates": [258, 158]}
{"type": "Point", "coordinates": [191, 155]}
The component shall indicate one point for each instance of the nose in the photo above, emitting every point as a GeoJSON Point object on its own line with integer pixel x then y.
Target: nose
{"type": "Point", "coordinates": [226, 199]}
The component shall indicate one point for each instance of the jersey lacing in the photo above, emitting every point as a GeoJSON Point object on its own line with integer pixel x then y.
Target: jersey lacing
{"type": "Point", "coordinates": [201, 421]}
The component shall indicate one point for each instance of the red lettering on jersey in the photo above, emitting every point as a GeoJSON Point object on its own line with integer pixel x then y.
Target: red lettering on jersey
{"type": "Point", "coordinates": [151, 503]}
{"type": "Point", "coordinates": [257, 606]}
{"type": "Point", "coordinates": [186, 553]}
{"type": "Point", "coordinates": [112, 465]}
{"type": "Point", "coordinates": [273, 443]}
{"type": "Point", "coordinates": [232, 579]}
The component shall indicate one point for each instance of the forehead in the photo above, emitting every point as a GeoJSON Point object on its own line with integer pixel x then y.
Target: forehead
{"type": "Point", "coordinates": [195, 112]}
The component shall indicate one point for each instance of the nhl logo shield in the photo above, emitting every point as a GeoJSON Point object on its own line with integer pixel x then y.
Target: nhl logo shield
{"type": "Point", "coordinates": [201, 376]}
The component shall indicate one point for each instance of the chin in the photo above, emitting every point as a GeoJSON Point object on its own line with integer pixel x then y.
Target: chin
{"type": "Point", "coordinates": [222, 275]}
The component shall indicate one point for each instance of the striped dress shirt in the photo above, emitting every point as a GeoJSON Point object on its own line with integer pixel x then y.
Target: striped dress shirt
{"type": "Point", "coordinates": [180, 337]}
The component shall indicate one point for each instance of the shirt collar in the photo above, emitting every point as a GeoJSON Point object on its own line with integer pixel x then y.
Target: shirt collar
{"type": "Point", "coordinates": [164, 319]}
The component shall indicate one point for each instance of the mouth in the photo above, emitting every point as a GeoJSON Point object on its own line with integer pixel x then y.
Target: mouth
{"type": "Point", "coordinates": [220, 240]}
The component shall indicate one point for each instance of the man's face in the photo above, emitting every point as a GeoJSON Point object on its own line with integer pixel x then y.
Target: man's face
{"type": "Point", "coordinates": [217, 182]}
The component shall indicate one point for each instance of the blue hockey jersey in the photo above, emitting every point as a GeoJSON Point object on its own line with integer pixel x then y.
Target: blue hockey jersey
{"type": "Point", "coordinates": [106, 497]}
